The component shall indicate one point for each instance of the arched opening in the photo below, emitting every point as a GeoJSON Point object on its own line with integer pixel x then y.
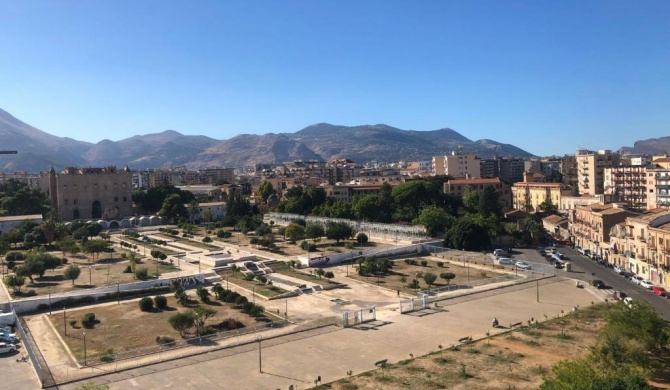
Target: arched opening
{"type": "Point", "coordinates": [114, 225]}
{"type": "Point", "coordinates": [75, 214]}
{"type": "Point", "coordinates": [96, 210]}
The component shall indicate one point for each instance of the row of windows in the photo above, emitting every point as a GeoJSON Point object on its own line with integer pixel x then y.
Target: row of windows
{"type": "Point", "coordinates": [75, 201]}
{"type": "Point", "coordinates": [95, 186]}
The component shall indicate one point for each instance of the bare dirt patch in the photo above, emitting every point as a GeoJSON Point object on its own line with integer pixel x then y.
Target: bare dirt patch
{"type": "Point", "coordinates": [125, 327]}
{"type": "Point", "coordinates": [516, 359]}
{"type": "Point", "coordinates": [402, 269]}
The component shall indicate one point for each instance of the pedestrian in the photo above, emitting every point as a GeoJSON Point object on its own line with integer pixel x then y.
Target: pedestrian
{"type": "Point", "coordinates": [398, 292]}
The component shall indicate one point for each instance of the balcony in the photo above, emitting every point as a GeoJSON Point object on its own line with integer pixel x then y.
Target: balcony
{"type": "Point", "coordinates": [642, 238]}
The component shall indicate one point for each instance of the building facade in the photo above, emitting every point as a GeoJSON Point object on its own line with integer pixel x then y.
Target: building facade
{"type": "Point", "coordinates": [90, 193]}
{"type": "Point", "coordinates": [456, 165]}
{"type": "Point", "coordinates": [590, 226]}
{"type": "Point", "coordinates": [458, 187]}
{"type": "Point", "coordinates": [627, 184]}
{"type": "Point", "coordinates": [591, 169]}
{"type": "Point", "coordinates": [528, 196]}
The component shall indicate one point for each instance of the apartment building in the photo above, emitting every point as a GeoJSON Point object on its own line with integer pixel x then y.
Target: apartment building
{"type": "Point", "coordinates": [529, 195]}
{"type": "Point", "coordinates": [591, 169]}
{"type": "Point", "coordinates": [568, 168]}
{"type": "Point", "coordinates": [658, 187]}
{"type": "Point", "coordinates": [509, 170]}
{"type": "Point", "coordinates": [347, 192]}
{"type": "Point", "coordinates": [456, 165]}
{"type": "Point", "coordinates": [590, 226]}
{"type": "Point", "coordinates": [627, 184]}
{"type": "Point", "coordinates": [458, 187]}
{"type": "Point", "coordinates": [641, 244]}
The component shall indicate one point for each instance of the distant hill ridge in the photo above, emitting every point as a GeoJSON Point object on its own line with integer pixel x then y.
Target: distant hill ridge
{"type": "Point", "coordinates": [39, 150]}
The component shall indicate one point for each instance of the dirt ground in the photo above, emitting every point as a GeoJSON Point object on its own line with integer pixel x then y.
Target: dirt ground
{"type": "Point", "coordinates": [125, 327]}
{"type": "Point", "coordinates": [515, 360]}
{"type": "Point", "coordinates": [237, 278]}
{"type": "Point", "coordinates": [409, 271]}
{"type": "Point", "coordinates": [104, 271]}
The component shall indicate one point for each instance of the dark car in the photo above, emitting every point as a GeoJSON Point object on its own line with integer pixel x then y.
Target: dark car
{"type": "Point", "coordinates": [598, 284]}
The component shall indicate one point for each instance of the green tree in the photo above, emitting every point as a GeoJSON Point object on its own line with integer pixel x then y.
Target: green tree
{"type": "Point", "coordinates": [471, 199]}
{"type": "Point", "coordinates": [294, 231]}
{"type": "Point", "coordinates": [146, 304]}
{"type": "Point", "coordinates": [339, 231]}
{"type": "Point", "coordinates": [153, 199]}
{"type": "Point", "coordinates": [448, 276]}
{"type": "Point", "coordinates": [95, 247]}
{"type": "Point", "coordinates": [468, 234]}
{"type": "Point", "coordinates": [412, 196]}
{"type": "Point", "coordinates": [201, 315]}
{"type": "Point", "coordinates": [362, 238]}
{"type": "Point", "coordinates": [367, 207]}
{"type": "Point", "coordinates": [182, 322]}
{"type": "Point", "coordinates": [489, 202]}
{"type": "Point", "coordinates": [435, 220]}
{"type": "Point", "coordinates": [15, 282]}
{"type": "Point", "coordinates": [314, 231]}
{"type": "Point", "coordinates": [429, 278]}
{"type": "Point", "coordinates": [547, 207]}
{"type": "Point", "coordinates": [265, 190]}
{"type": "Point", "coordinates": [72, 272]}
{"type": "Point", "coordinates": [173, 209]}
{"type": "Point", "coordinates": [203, 294]}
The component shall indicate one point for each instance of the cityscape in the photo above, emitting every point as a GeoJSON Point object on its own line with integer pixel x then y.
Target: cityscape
{"type": "Point", "coordinates": [482, 200]}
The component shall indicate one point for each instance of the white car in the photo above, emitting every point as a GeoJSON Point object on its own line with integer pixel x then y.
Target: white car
{"type": "Point", "coordinates": [7, 348]}
{"type": "Point", "coordinates": [506, 261]}
{"type": "Point", "coordinates": [628, 301]}
{"type": "Point", "coordinates": [636, 279]}
{"type": "Point", "coordinates": [618, 269]}
{"type": "Point", "coordinates": [522, 265]}
{"type": "Point", "coordinates": [646, 284]}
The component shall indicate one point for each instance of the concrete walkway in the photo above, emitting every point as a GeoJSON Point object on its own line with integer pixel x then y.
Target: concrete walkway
{"type": "Point", "coordinates": [331, 352]}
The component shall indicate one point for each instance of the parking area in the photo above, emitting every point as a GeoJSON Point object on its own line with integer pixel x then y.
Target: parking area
{"type": "Point", "coordinates": [16, 372]}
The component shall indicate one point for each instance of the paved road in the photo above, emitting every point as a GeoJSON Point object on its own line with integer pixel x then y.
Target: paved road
{"type": "Point", "coordinates": [583, 267]}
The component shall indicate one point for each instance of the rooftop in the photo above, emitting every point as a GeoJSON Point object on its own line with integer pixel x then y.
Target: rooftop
{"type": "Point", "coordinates": [493, 180]}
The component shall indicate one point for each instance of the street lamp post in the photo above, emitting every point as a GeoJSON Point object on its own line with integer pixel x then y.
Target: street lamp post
{"type": "Point", "coordinates": [118, 293]}
{"type": "Point", "coordinates": [226, 282]}
{"type": "Point", "coordinates": [253, 293]}
{"type": "Point", "coordinates": [90, 282]}
{"type": "Point", "coordinates": [286, 309]}
{"type": "Point", "coordinates": [64, 324]}
{"type": "Point", "coordinates": [260, 360]}
{"type": "Point", "coordinates": [49, 301]}
{"type": "Point", "coordinates": [85, 348]}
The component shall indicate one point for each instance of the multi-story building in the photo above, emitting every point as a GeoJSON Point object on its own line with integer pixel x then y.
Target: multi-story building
{"type": "Point", "coordinates": [627, 184]}
{"type": "Point", "coordinates": [90, 193]}
{"type": "Point", "coordinates": [509, 170]}
{"type": "Point", "coordinates": [456, 165]}
{"type": "Point", "coordinates": [458, 187]}
{"type": "Point", "coordinates": [568, 168]}
{"type": "Point", "coordinates": [528, 195]}
{"type": "Point", "coordinates": [641, 244]}
{"type": "Point", "coordinates": [590, 226]}
{"type": "Point", "coordinates": [341, 171]}
{"type": "Point", "coordinates": [591, 169]}
{"type": "Point", "coordinates": [658, 184]}
{"type": "Point", "coordinates": [347, 192]}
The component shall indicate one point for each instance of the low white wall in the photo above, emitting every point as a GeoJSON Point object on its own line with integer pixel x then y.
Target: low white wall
{"type": "Point", "coordinates": [31, 304]}
{"type": "Point", "coordinates": [338, 258]}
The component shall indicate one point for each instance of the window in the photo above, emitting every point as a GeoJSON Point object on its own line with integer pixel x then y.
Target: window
{"type": "Point", "coordinates": [116, 199]}
{"type": "Point", "coordinates": [74, 187]}
{"type": "Point", "coordinates": [64, 187]}
{"type": "Point", "coordinates": [125, 199]}
{"type": "Point", "coordinates": [74, 202]}
{"type": "Point", "coordinates": [123, 185]}
{"type": "Point", "coordinates": [95, 186]}
{"type": "Point", "coordinates": [65, 202]}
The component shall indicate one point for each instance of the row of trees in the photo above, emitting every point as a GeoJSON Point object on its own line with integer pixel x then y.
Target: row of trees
{"type": "Point", "coordinates": [337, 231]}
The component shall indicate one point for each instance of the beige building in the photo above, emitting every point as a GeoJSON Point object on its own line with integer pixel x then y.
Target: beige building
{"type": "Point", "coordinates": [590, 226]}
{"type": "Point", "coordinates": [529, 195]}
{"type": "Point", "coordinates": [347, 192]}
{"type": "Point", "coordinates": [591, 169]}
{"type": "Point", "coordinates": [458, 187]}
{"type": "Point", "coordinates": [641, 244]}
{"type": "Point", "coordinates": [556, 225]}
{"type": "Point", "coordinates": [627, 184]}
{"type": "Point", "coordinates": [456, 165]}
{"type": "Point", "coordinates": [658, 184]}
{"type": "Point", "coordinates": [90, 193]}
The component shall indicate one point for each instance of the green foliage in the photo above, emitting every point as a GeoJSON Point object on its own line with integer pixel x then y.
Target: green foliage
{"type": "Point", "coordinates": [414, 284]}
{"type": "Point", "coordinates": [307, 246]}
{"type": "Point", "coordinates": [15, 282]}
{"type": "Point", "coordinates": [173, 209]}
{"type": "Point", "coordinates": [160, 302]}
{"type": "Point", "coordinates": [201, 314]}
{"type": "Point", "coordinates": [95, 247]}
{"type": "Point", "coordinates": [294, 232]}
{"type": "Point", "coordinates": [223, 234]}
{"type": "Point", "coordinates": [429, 278]}
{"type": "Point", "coordinates": [489, 202]}
{"type": "Point", "coordinates": [329, 275]}
{"type": "Point", "coordinates": [314, 231]}
{"type": "Point", "coordinates": [146, 304]}
{"type": "Point", "coordinates": [435, 219]}
{"type": "Point", "coordinates": [72, 272]}
{"type": "Point", "coordinates": [372, 266]}
{"type": "Point", "coordinates": [88, 320]}
{"type": "Point", "coordinates": [265, 190]}
{"type": "Point", "coordinates": [153, 199]}
{"type": "Point", "coordinates": [240, 300]}
{"type": "Point", "coordinates": [91, 386]}
{"type": "Point", "coordinates": [15, 256]}
{"type": "Point", "coordinates": [16, 198]}
{"type": "Point", "coordinates": [412, 196]}
{"type": "Point", "coordinates": [362, 238]}
{"type": "Point", "coordinates": [203, 294]}
{"type": "Point", "coordinates": [468, 233]}
{"type": "Point", "coordinates": [141, 273]}
{"type": "Point", "coordinates": [182, 322]}
{"type": "Point", "coordinates": [339, 231]}
{"type": "Point", "coordinates": [302, 200]}
{"type": "Point", "coordinates": [448, 276]}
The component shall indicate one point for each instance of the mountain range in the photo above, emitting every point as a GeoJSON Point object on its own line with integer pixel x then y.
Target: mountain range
{"type": "Point", "coordinates": [38, 150]}
{"type": "Point", "coordinates": [652, 146]}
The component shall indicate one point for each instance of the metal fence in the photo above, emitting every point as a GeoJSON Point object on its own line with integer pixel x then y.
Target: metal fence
{"type": "Point", "coordinates": [361, 316]}
{"type": "Point", "coordinates": [36, 358]}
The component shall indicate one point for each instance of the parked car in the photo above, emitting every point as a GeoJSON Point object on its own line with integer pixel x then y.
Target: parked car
{"type": "Point", "coordinates": [646, 284]}
{"type": "Point", "coordinates": [8, 339]}
{"type": "Point", "coordinates": [636, 279]}
{"type": "Point", "coordinates": [558, 264]}
{"type": "Point", "coordinates": [627, 274]}
{"type": "Point", "coordinates": [7, 348]}
{"type": "Point", "coordinates": [522, 265]}
{"type": "Point", "coordinates": [499, 252]}
{"type": "Point", "coordinates": [598, 284]}
{"type": "Point", "coordinates": [660, 291]}
{"type": "Point", "coordinates": [506, 261]}
{"type": "Point", "coordinates": [619, 270]}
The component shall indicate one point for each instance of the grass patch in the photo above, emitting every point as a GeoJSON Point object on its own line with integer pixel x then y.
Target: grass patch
{"type": "Point", "coordinates": [472, 351]}
{"type": "Point", "coordinates": [443, 360]}
{"type": "Point", "coordinates": [404, 362]}
{"type": "Point", "coordinates": [539, 370]}
{"type": "Point", "coordinates": [454, 348]}
{"type": "Point", "coordinates": [564, 336]}
{"type": "Point", "coordinates": [532, 343]}
{"type": "Point", "coordinates": [531, 332]}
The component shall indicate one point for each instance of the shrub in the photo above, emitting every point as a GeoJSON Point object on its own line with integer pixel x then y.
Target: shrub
{"type": "Point", "coordinates": [88, 321]}
{"type": "Point", "coordinates": [207, 240]}
{"type": "Point", "coordinates": [240, 300]}
{"type": "Point", "coordinates": [408, 261]}
{"type": "Point", "coordinates": [424, 263]}
{"type": "Point", "coordinates": [440, 264]}
{"type": "Point", "coordinates": [63, 261]}
{"type": "Point", "coordinates": [223, 234]}
{"type": "Point", "coordinates": [160, 302]}
{"type": "Point", "coordinates": [257, 310]}
{"type": "Point", "coordinates": [230, 324]}
{"type": "Point", "coordinates": [73, 323]}
{"type": "Point", "coordinates": [203, 294]}
{"type": "Point", "coordinates": [141, 273]}
{"type": "Point", "coordinates": [329, 275]}
{"type": "Point", "coordinates": [15, 256]}
{"type": "Point", "coordinates": [248, 307]}
{"type": "Point", "coordinates": [11, 264]}
{"type": "Point", "coordinates": [164, 340]}
{"type": "Point", "coordinates": [146, 304]}
{"type": "Point", "coordinates": [128, 270]}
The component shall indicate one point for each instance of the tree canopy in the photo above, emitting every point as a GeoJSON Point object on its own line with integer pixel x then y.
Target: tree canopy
{"type": "Point", "coordinates": [153, 199]}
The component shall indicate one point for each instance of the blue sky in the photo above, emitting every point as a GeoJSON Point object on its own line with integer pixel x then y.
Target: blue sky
{"type": "Point", "coordinates": [547, 76]}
